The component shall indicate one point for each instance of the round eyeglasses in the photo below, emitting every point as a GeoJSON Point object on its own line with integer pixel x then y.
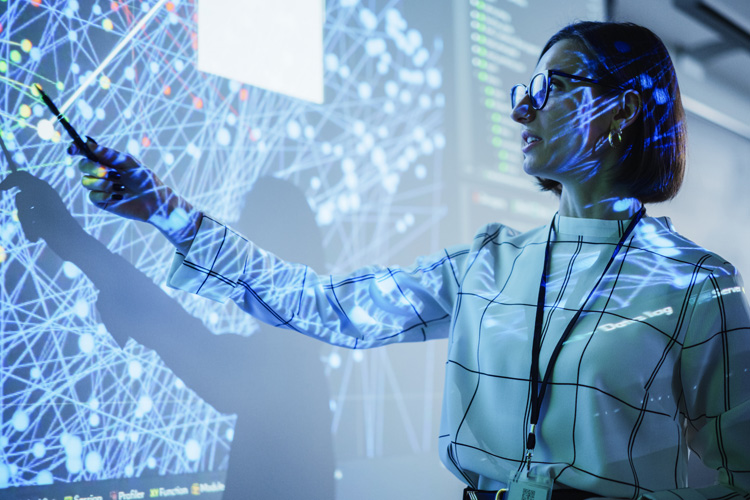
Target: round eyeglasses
{"type": "Point", "coordinates": [538, 89]}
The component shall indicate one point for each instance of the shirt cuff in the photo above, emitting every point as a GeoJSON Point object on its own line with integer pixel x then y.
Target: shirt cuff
{"type": "Point", "coordinates": [213, 264]}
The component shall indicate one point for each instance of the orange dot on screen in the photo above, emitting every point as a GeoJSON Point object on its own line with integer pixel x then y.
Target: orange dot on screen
{"type": "Point", "coordinates": [170, 7]}
{"type": "Point", "coordinates": [114, 6]}
{"type": "Point", "coordinates": [146, 142]}
{"type": "Point", "coordinates": [198, 102]}
{"type": "Point", "coordinates": [167, 90]}
{"type": "Point", "coordinates": [243, 94]}
{"type": "Point", "coordinates": [1, 27]}
{"type": "Point", "coordinates": [36, 3]}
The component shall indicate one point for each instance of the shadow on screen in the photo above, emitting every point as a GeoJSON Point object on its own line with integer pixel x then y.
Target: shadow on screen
{"type": "Point", "coordinates": [273, 380]}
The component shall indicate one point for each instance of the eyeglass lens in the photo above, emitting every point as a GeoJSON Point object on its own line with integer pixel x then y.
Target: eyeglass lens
{"type": "Point", "coordinates": [537, 92]}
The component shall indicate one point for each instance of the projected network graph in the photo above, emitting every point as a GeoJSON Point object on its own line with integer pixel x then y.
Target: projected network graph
{"type": "Point", "coordinates": [76, 406]}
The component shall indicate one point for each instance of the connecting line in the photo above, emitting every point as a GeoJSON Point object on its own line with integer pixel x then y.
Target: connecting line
{"type": "Point", "coordinates": [112, 55]}
{"type": "Point", "coordinates": [8, 157]}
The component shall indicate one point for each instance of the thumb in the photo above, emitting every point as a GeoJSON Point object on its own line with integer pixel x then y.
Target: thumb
{"type": "Point", "coordinates": [16, 179]}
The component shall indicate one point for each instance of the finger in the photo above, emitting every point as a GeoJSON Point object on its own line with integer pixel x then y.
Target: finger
{"type": "Point", "coordinates": [8, 183]}
{"type": "Point", "coordinates": [107, 156]}
{"type": "Point", "coordinates": [90, 168]}
{"type": "Point", "coordinates": [113, 158]}
{"type": "Point", "coordinates": [103, 198]}
{"type": "Point", "coordinates": [99, 184]}
{"type": "Point", "coordinates": [94, 169]}
{"type": "Point", "coordinates": [16, 179]}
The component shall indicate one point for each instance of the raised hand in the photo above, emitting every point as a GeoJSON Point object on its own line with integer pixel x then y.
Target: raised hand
{"type": "Point", "coordinates": [120, 184]}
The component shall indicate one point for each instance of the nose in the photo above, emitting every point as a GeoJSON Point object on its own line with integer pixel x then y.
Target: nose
{"type": "Point", "coordinates": [523, 112]}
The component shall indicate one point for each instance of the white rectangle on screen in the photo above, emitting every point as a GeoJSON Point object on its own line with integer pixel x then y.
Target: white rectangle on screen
{"type": "Point", "coordinates": [272, 44]}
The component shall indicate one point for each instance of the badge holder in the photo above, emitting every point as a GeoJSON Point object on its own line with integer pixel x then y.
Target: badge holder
{"type": "Point", "coordinates": [526, 485]}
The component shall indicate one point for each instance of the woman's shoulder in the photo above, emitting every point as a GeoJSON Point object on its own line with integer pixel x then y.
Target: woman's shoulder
{"type": "Point", "coordinates": [658, 235]}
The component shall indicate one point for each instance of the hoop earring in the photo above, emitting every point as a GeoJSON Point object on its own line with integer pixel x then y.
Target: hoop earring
{"type": "Point", "coordinates": [615, 136]}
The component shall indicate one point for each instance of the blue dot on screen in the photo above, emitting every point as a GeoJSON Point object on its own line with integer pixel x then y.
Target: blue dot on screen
{"type": "Point", "coordinates": [20, 420]}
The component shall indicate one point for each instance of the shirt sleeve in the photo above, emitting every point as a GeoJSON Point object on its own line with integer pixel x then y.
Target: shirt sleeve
{"type": "Point", "coordinates": [715, 376]}
{"type": "Point", "coordinates": [370, 307]}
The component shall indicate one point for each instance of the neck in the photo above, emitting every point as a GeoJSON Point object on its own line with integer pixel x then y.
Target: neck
{"type": "Point", "coordinates": [587, 202]}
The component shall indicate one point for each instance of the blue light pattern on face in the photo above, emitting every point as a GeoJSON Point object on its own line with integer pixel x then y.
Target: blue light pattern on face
{"type": "Point", "coordinates": [81, 408]}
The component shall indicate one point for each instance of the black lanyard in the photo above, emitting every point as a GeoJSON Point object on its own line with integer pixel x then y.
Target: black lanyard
{"type": "Point", "coordinates": [537, 393]}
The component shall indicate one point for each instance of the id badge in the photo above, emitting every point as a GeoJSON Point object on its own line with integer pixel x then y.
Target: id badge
{"type": "Point", "coordinates": [527, 486]}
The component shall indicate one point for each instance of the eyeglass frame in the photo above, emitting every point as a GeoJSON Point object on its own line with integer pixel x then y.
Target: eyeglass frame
{"type": "Point", "coordinates": [547, 77]}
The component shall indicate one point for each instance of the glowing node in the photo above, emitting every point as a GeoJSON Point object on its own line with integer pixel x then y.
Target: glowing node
{"type": "Point", "coordinates": [135, 369]}
{"type": "Point", "coordinates": [151, 463]}
{"type": "Point", "coordinates": [334, 360]}
{"type": "Point", "coordinates": [105, 82]}
{"type": "Point", "coordinates": [114, 6]}
{"type": "Point", "coordinates": [4, 476]}
{"type": "Point", "coordinates": [86, 343]}
{"type": "Point", "coordinates": [192, 450]}
{"type": "Point", "coordinates": [38, 450]}
{"type": "Point", "coordinates": [20, 420]}
{"type": "Point", "coordinates": [36, 3]}
{"type": "Point", "coordinates": [167, 90]}
{"type": "Point", "coordinates": [26, 45]}
{"type": "Point", "coordinates": [358, 356]}
{"type": "Point", "coordinates": [170, 7]}
{"type": "Point", "coordinates": [44, 477]}
{"type": "Point", "coordinates": [15, 56]}
{"type": "Point", "coordinates": [107, 25]}
{"type": "Point", "coordinates": [230, 434]}
{"type": "Point", "coordinates": [3, 255]}
{"type": "Point", "coordinates": [45, 129]}
{"type": "Point", "coordinates": [129, 470]}
{"type": "Point", "coordinates": [293, 129]}
{"type": "Point", "coordinates": [223, 137]}
{"type": "Point", "coordinates": [338, 475]}
{"type": "Point", "coordinates": [145, 404]}
{"type": "Point", "coordinates": [81, 308]}
{"type": "Point", "coordinates": [60, 86]}
{"type": "Point", "coordinates": [145, 142]}
{"type": "Point", "coordinates": [56, 136]}
{"type": "Point", "coordinates": [3, 65]}
{"type": "Point", "coordinates": [35, 373]}
{"type": "Point", "coordinates": [197, 103]}
{"type": "Point", "coordinates": [94, 420]}
{"type": "Point", "coordinates": [93, 462]}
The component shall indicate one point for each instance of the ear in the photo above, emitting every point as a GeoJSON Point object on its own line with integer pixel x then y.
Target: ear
{"type": "Point", "coordinates": [627, 111]}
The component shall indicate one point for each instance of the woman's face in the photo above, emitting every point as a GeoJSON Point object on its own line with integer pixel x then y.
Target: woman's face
{"type": "Point", "coordinates": [566, 140]}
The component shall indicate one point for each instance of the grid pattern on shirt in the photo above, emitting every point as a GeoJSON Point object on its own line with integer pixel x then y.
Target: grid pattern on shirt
{"type": "Point", "coordinates": [658, 360]}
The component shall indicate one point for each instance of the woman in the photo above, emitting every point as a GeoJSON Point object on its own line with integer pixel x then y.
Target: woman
{"type": "Point", "coordinates": [584, 356]}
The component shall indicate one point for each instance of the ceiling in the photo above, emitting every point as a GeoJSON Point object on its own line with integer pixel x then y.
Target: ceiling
{"type": "Point", "coordinates": [713, 34]}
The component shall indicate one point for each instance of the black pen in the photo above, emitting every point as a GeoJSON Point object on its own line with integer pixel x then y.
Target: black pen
{"type": "Point", "coordinates": [80, 144]}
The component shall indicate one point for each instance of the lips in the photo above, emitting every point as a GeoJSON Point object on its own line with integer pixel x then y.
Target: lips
{"type": "Point", "coordinates": [529, 140]}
